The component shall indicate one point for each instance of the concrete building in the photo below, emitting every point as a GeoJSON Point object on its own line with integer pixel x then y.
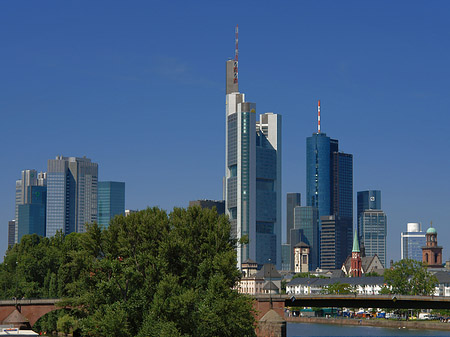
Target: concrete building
{"type": "Point", "coordinates": [28, 178]}
{"type": "Point", "coordinates": [373, 226]}
{"type": "Point", "coordinates": [412, 241]}
{"type": "Point", "coordinates": [111, 201]}
{"type": "Point", "coordinates": [301, 258]}
{"type": "Point", "coordinates": [252, 183]}
{"type": "Point", "coordinates": [72, 187]}
{"type": "Point", "coordinates": [205, 203]}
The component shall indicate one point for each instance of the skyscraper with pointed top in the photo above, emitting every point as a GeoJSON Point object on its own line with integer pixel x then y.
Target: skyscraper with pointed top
{"type": "Point", "coordinates": [329, 185]}
{"type": "Point", "coordinates": [252, 182]}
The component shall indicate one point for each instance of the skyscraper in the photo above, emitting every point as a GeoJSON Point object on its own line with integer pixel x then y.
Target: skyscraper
{"type": "Point", "coordinates": [111, 201]}
{"type": "Point", "coordinates": [23, 195]}
{"type": "Point", "coordinates": [292, 200]}
{"type": "Point", "coordinates": [71, 194]}
{"type": "Point", "coordinates": [306, 222]}
{"type": "Point", "coordinates": [412, 242]}
{"type": "Point", "coordinates": [252, 183]}
{"type": "Point", "coordinates": [373, 233]}
{"type": "Point", "coordinates": [329, 185]}
{"type": "Point", "coordinates": [334, 244]}
{"type": "Point", "coordinates": [32, 213]}
{"type": "Point", "coordinates": [370, 199]}
{"type": "Point", "coordinates": [11, 232]}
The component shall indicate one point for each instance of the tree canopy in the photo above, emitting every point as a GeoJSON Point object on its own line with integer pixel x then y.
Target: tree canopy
{"type": "Point", "coordinates": [410, 277]}
{"type": "Point", "coordinates": [148, 274]}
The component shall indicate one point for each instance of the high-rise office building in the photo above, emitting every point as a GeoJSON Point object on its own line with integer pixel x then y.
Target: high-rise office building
{"type": "Point", "coordinates": [23, 195]}
{"type": "Point", "coordinates": [373, 233]}
{"type": "Point", "coordinates": [205, 203]}
{"type": "Point", "coordinates": [334, 244]}
{"type": "Point", "coordinates": [292, 200]}
{"type": "Point", "coordinates": [370, 199]}
{"type": "Point", "coordinates": [32, 213]}
{"type": "Point", "coordinates": [11, 232]}
{"type": "Point", "coordinates": [71, 194]}
{"type": "Point", "coordinates": [306, 221]}
{"type": "Point", "coordinates": [412, 242]}
{"type": "Point", "coordinates": [111, 201]}
{"type": "Point", "coordinates": [252, 183]}
{"type": "Point", "coordinates": [329, 184]}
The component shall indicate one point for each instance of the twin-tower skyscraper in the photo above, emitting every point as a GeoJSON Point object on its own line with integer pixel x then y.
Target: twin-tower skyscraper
{"type": "Point", "coordinates": [252, 183]}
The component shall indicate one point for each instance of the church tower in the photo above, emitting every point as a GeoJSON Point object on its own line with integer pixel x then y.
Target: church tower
{"type": "Point", "coordinates": [355, 269]}
{"type": "Point", "coordinates": [432, 253]}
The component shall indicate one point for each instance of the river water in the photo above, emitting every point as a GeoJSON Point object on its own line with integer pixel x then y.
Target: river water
{"type": "Point", "coordinates": [312, 329]}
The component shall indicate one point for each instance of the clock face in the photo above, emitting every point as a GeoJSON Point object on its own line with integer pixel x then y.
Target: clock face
{"type": "Point", "coordinates": [372, 198]}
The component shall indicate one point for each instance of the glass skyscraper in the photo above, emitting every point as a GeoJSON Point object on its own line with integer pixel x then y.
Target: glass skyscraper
{"type": "Point", "coordinates": [292, 200]}
{"type": "Point", "coordinates": [306, 220]}
{"type": "Point", "coordinates": [373, 233]}
{"type": "Point", "coordinates": [370, 199]}
{"type": "Point", "coordinates": [412, 242]}
{"type": "Point", "coordinates": [32, 213]}
{"type": "Point", "coordinates": [71, 194]}
{"type": "Point", "coordinates": [252, 183]}
{"type": "Point", "coordinates": [23, 193]}
{"type": "Point", "coordinates": [111, 201]}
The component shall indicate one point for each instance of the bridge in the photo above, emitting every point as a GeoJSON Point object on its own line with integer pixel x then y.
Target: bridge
{"type": "Point", "coordinates": [30, 309]}
{"type": "Point", "coordinates": [263, 302]}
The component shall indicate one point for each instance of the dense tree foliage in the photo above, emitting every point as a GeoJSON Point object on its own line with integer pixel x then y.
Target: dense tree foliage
{"type": "Point", "coordinates": [148, 274]}
{"type": "Point", "coordinates": [410, 277]}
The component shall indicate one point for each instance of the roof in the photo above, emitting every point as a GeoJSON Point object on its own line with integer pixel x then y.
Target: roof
{"type": "Point", "coordinates": [249, 261]}
{"type": "Point", "coordinates": [442, 277]}
{"type": "Point", "coordinates": [322, 282]}
{"type": "Point", "coordinates": [272, 316]}
{"type": "Point", "coordinates": [270, 286]}
{"type": "Point", "coordinates": [267, 271]}
{"type": "Point", "coordinates": [431, 230]}
{"type": "Point", "coordinates": [301, 244]}
{"type": "Point", "coordinates": [355, 244]}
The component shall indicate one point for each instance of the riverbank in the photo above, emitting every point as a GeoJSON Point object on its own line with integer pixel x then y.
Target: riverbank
{"type": "Point", "coordinates": [384, 323]}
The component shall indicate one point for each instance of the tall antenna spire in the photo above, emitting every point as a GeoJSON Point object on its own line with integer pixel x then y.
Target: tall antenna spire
{"type": "Point", "coordinates": [236, 55]}
{"type": "Point", "coordinates": [318, 118]}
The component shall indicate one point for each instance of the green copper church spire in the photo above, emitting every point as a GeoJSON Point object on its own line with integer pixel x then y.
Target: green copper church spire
{"type": "Point", "coordinates": [355, 244]}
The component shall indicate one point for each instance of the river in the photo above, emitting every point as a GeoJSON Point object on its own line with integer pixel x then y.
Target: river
{"type": "Point", "coordinates": [313, 329]}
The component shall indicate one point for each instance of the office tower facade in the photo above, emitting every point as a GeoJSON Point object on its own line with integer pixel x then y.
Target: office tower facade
{"type": "Point", "coordinates": [32, 213]}
{"type": "Point", "coordinates": [286, 257]}
{"type": "Point", "coordinates": [23, 196]}
{"type": "Point", "coordinates": [252, 182]}
{"type": "Point", "coordinates": [412, 242]}
{"type": "Point", "coordinates": [72, 187]}
{"type": "Point", "coordinates": [292, 200]}
{"type": "Point", "coordinates": [367, 200]}
{"type": "Point", "coordinates": [329, 184]}
{"type": "Point", "coordinates": [373, 233]}
{"type": "Point", "coordinates": [111, 201]}
{"type": "Point", "coordinates": [205, 203]}
{"type": "Point", "coordinates": [334, 244]}
{"type": "Point", "coordinates": [306, 220]}
{"type": "Point", "coordinates": [11, 233]}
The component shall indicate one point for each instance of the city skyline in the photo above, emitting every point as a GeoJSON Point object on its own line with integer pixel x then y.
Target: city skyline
{"type": "Point", "coordinates": [379, 70]}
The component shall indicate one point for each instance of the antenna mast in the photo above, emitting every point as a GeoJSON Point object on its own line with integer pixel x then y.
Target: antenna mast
{"type": "Point", "coordinates": [236, 55]}
{"type": "Point", "coordinates": [318, 118]}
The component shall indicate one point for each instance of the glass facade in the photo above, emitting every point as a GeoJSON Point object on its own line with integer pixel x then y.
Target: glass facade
{"type": "Point", "coordinates": [111, 201]}
{"type": "Point", "coordinates": [292, 200]}
{"type": "Point", "coordinates": [306, 219]}
{"type": "Point", "coordinates": [71, 194]}
{"type": "Point", "coordinates": [373, 233]}
{"type": "Point", "coordinates": [370, 199]}
{"type": "Point", "coordinates": [11, 232]}
{"type": "Point", "coordinates": [318, 173]}
{"type": "Point", "coordinates": [411, 245]}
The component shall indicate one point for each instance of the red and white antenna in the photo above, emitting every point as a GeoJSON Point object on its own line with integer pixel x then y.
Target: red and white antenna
{"type": "Point", "coordinates": [236, 55]}
{"type": "Point", "coordinates": [318, 118]}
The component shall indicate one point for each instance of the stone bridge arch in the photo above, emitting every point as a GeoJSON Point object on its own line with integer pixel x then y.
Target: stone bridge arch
{"type": "Point", "coordinates": [32, 310]}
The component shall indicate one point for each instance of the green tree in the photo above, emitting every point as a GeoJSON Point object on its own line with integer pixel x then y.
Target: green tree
{"type": "Point", "coordinates": [66, 324]}
{"type": "Point", "coordinates": [410, 277]}
{"type": "Point", "coordinates": [338, 288]}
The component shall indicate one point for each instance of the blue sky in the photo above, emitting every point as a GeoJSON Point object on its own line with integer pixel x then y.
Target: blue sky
{"type": "Point", "coordinates": [139, 88]}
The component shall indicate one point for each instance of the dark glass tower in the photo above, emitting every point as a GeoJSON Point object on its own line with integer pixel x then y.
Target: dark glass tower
{"type": "Point", "coordinates": [292, 200]}
{"type": "Point", "coordinates": [367, 200]}
{"type": "Point", "coordinates": [111, 201]}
